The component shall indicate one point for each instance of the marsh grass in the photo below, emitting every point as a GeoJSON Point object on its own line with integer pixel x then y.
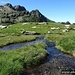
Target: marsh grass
{"type": "Point", "coordinates": [13, 62]}
{"type": "Point", "coordinates": [15, 39]}
{"type": "Point", "coordinates": [53, 36]}
{"type": "Point", "coordinates": [67, 45]}
{"type": "Point", "coordinates": [64, 42]}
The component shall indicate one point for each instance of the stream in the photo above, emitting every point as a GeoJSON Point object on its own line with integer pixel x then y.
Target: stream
{"type": "Point", "coordinates": [19, 45]}
{"type": "Point", "coordinates": [57, 63]}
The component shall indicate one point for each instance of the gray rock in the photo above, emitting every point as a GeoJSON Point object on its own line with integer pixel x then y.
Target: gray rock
{"type": "Point", "coordinates": [9, 5]}
{"type": "Point", "coordinates": [19, 8]}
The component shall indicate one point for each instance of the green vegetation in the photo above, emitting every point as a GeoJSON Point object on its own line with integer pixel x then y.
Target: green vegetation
{"type": "Point", "coordinates": [17, 29]}
{"type": "Point", "coordinates": [64, 41]}
{"type": "Point", "coordinates": [67, 45]}
{"type": "Point", "coordinates": [26, 57]}
{"type": "Point", "coordinates": [13, 62]}
{"type": "Point", "coordinates": [15, 39]}
{"type": "Point", "coordinates": [13, 30]}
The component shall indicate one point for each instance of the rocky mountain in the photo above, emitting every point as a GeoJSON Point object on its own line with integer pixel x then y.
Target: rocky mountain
{"type": "Point", "coordinates": [14, 14]}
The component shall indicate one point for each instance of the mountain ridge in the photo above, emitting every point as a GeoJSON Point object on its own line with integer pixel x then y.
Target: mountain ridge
{"type": "Point", "coordinates": [18, 13]}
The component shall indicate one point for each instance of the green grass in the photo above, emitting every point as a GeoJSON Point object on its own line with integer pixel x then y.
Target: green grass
{"type": "Point", "coordinates": [64, 42]}
{"type": "Point", "coordinates": [16, 29]}
{"type": "Point", "coordinates": [67, 45]}
{"type": "Point", "coordinates": [15, 39]}
{"type": "Point", "coordinates": [13, 62]}
{"type": "Point", "coordinates": [54, 35]}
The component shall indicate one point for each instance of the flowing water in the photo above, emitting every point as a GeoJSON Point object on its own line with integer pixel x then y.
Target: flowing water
{"type": "Point", "coordinates": [57, 63]}
{"type": "Point", "coordinates": [19, 45]}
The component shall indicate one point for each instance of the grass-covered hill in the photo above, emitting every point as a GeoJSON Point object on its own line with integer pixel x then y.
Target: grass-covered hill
{"type": "Point", "coordinates": [17, 13]}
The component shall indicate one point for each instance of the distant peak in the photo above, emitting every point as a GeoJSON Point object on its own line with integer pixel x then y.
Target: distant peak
{"type": "Point", "coordinates": [8, 4]}
{"type": "Point", "coordinates": [19, 8]}
{"type": "Point", "coordinates": [37, 10]}
{"type": "Point", "coordinates": [19, 13]}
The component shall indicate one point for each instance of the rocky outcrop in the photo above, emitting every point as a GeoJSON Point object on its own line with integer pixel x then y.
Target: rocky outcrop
{"type": "Point", "coordinates": [41, 17]}
{"type": "Point", "coordinates": [9, 5]}
{"type": "Point", "coordinates": [19, 8]}
{"type": "Point", "coordinates": [14, 14]}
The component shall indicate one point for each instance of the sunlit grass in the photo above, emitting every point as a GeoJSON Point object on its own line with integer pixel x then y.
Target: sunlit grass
{"type": "Point", "coordinates": [15, 39]}
{"type": "Point", "coordinates": [16, 29]}
{"type": "Point", "coordinates": [13, 62]}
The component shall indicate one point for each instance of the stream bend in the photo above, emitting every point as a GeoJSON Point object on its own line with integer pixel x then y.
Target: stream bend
{"type": "Point", "coordinates": [57, 63]}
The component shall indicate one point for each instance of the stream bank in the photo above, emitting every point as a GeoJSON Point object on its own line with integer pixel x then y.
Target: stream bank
{"type": "Point", "coordinates": [57, 63]}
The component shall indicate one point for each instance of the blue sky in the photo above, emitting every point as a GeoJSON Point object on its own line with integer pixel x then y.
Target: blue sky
{"type": "Point", "coordinates": [57, 10]}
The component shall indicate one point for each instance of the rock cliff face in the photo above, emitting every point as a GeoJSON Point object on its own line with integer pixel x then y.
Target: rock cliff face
{"type": "Point", "coordinates": [14, 14]}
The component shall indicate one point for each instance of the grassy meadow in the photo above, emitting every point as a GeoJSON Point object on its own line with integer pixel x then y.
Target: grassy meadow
{"type": "Point", "coordinates": [54, 32]}
{"type": "Point", "coordinates": [16, 29]}
{"type": "Point", "coordinates": [15, 39]}
{"type": "Point", "coordinates": [13, 62]}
